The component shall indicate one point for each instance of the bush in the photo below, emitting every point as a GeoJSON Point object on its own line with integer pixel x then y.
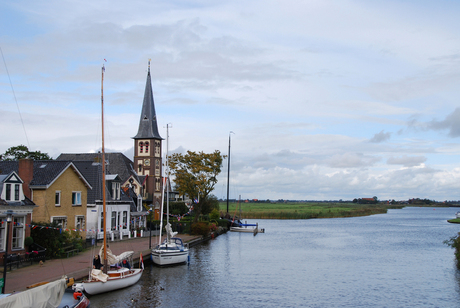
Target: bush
{"type": "Point", "coordinates": [209, 204]}
{"type": "Point", "coordinates": [28, 241]}
{"type": "Point", "coordinates": [177, 208]}
{"type": "Point", "coordinates": [53, 238]}
{"type": "Point", "coordinates": [200, 228]}
{"type": "Point", "coordinates": [454, 242]}
{"type": "Point", "coordinates": [214, 215]}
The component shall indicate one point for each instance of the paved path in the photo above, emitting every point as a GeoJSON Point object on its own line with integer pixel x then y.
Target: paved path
{"type": "Point", "coordinates": [77, 266]}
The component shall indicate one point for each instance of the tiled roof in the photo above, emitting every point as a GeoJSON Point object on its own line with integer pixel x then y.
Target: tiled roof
{"type": "Point", "coordinates": [93, 173]}
{"type": "Point", "coordinates": [118, 163]}
{"type": "Point", "coordinates": [47, 171]}
{"type": "Point", "coordinates": [148, 127]}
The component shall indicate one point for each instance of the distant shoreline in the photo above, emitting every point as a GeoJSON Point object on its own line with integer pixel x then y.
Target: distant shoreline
{"type": "Point", "coordinates": [312, 210]}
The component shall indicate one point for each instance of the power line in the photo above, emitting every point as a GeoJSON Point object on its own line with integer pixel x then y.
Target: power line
{"type": "Point", "coordinates": [14, 94]}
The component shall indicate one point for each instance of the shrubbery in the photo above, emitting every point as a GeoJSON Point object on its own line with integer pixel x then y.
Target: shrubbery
{"type": "Point", "coordinates": [454, 242]}
{"type": "Point", "coordinates": [200, 228]}
{"type": "Point", "coordinates": [51, 237]}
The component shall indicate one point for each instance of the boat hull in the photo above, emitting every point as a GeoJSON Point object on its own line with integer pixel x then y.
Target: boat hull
{"type": "Point", "coordinates": [114, 281]}
{"type": "Point", "coordinates": [243, 229]}
{"type": "Point", "coordinates": [169, 257]}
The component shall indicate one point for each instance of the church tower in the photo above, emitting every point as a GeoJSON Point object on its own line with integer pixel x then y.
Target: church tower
{"type": "Point", "coordinates": [147, 148]}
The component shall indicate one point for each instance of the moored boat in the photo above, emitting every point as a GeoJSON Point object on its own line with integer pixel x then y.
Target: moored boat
{"type": "Point", "coordinates": [109, 280]}
{"type": "Point", "coordinates": [172, 251]}
{"type": "Point", "coordinates": [52, 294]}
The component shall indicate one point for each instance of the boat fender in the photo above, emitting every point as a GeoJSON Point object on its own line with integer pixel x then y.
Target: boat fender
{"type": "Point", "coordinates": [77, 295]}
{"type": "Point", "coordinates": [78, 287]}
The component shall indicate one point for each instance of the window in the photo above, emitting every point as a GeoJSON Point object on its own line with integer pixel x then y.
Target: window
{"type": "Point", "coordinates": [157, 167]}
{"type": "Point", "coordinates": [157, 148]}
{"type": "Point", "coordinates": [18, 232]}
{"type": "Point", "coordinates": [146, 147]}
{"type": "Point", "coordinates": [102, 221]}
{"type": "Point", "coordinates": [57, 198]}
{"type": "Point", "coordinates": [8, 192]}
{"type": "Point", "coordinates": [76, 198]}
{"type": "Point", "coordinates": [16, 192]}
{"type": "Point", "coordinates": [80, 222]}
{"type": "Point", "coordinates": [125, 220]}
{"type": "Point", "coordinates": [2, 236]}
{"type": "Point", "coordinates": [157, 185]}
{"type": "Point", "coordinates": [114, 220]}
{"type": "Point", "coordinates": [141, 147]}
{"type": "Point", "coordinates": [116, 186]}
{"type": "Point", "coordinates": [61, 221]}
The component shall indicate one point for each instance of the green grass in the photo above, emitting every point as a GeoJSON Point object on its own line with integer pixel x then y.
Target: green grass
{"type": "Point", "coordinates": [307, 210]}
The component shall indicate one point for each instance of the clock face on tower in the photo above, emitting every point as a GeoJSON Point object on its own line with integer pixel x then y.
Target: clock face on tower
{"type": "Point", "coordinates": [147, 162]}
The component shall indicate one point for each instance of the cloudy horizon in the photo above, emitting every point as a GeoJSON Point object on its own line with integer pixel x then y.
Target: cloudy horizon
{"type": "Point", "coordinates": [328, 100]}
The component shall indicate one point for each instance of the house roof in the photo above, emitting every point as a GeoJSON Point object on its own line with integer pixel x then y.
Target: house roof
{"type": "Point", "coordinates": [148, 127]}
{"type": "Point", "coordinates": [118, 163]}
{"type": "Point", "coordinates": [93, 173]}
{"type": "Point", "coordinates": [45, 172]}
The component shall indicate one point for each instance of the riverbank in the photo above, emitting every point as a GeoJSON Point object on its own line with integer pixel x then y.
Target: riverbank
{"type": "Point", "coordinates": [78, 266]}
{"type": "Point", "coordinates": [305, 210]}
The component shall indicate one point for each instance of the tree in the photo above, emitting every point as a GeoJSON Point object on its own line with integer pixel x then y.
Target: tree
{"type": "Point", "coordinates": [196, 175]}
{"type": "Point", "coordinates": [21, 151]}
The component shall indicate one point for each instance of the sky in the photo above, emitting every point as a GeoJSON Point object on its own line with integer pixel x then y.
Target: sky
{"type": "Point", "coordinates": [326, 100]}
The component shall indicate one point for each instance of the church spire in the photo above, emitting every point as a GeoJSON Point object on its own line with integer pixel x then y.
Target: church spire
{"type": "Point", "coordinates": [148, 127]}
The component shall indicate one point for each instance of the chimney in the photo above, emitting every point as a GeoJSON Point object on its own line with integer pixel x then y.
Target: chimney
{"type": "Point", "coordinates": [26, 173]}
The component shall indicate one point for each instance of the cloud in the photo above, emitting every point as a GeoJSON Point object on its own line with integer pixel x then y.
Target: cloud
{"type": "Point", "coordinates": [406, 161]}
{"type": "Point", "coordinates": [380, 137]}
{"type": "Point", "coordinates": [351, 160]}
{"type": "Point", "coordinates": [450, 123]}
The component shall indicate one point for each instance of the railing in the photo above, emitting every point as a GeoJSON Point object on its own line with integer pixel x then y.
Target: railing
{"type": "Point", "coordinates": [22, 259]}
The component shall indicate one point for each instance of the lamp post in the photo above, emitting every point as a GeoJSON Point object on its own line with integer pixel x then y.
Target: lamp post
{"type": "Point", "coordinates": [9, 216]}
{"type": "Point", "coordinates": [150, 228]}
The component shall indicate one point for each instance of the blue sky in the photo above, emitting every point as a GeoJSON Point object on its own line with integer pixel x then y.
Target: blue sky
{"type": "Point", "coordinates": [327, 99]}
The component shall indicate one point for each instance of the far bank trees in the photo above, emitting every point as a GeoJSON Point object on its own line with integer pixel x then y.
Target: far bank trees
{"type": "Point", "coordinates": [195, 174]}
{"type": "Point", "coordinates": [21, 151]}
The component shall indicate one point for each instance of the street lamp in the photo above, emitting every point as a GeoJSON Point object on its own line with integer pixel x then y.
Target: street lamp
{"type": "Point", "coordinates": [150, 228]}
{"type": "Point", "coordinates": [9, 216]}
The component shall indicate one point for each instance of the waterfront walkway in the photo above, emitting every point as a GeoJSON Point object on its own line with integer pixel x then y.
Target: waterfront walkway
{"type": "Point", "coordinates": [78, 266]}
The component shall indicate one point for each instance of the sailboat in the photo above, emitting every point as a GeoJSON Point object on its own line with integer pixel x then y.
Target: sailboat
{"type": "Point", "coordinates": [172, 251]}
{"type": "Point", "coordinates": [238, 226]}
{"type": "Point", "coordinates": [109, 280]}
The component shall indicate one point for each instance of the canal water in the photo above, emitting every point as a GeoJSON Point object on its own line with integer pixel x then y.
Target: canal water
{"type": "Point", "coordinates": [396, 259]}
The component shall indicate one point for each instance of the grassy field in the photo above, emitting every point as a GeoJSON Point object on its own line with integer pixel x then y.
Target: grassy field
{"type": "Point", "coordinates": [297, 210]}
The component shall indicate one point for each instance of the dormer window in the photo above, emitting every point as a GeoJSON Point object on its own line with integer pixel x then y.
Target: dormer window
{"type": "Point", "coordinates": [16, 192]}
{"type": "Point", "coordinates": [12, 188]}
{"type": "Point", "coordinates": [116, 187]}
{"type": "Point", "coordinates": [8, 192]}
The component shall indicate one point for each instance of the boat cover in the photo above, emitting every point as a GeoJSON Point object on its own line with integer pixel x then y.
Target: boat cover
{"type": "Point", "coordinates": [114, 259]}
{"type": "Point", "coordinates": [99, 275]}
{"type": "Point", "coordinates": [169, 230]}
{"type": "Point", "coordinates": [46, 296]}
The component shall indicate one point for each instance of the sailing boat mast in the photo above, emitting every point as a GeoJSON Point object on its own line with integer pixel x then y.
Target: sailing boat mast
{"type": "Point", "coordinates": [103, 173]}
{"type": "Point", "coordinates": [228, 169]}
{"type": "Point", "coordinates": [168, 236]}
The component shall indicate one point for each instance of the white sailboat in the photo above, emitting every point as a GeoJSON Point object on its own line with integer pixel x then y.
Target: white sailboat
{"type": "Point", "coordinates": [172, 250]}
{"type": "Point", "coordinates": [109, 280]}
{"type": "Point", "coordinates": [238, 226]}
